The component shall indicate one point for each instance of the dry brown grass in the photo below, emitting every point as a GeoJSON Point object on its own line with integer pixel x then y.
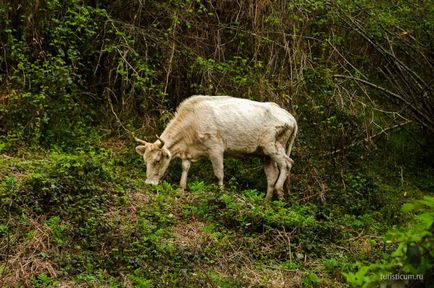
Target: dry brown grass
{"type": "Point", "coordinates": [127, 217]}
{"type": "Point", "coordinates": [236, 263]}
{"type": "Point", "coordinates": [28, 259]}
{"type": "Point", "coordinates": [190, 235]}
{"type": "Point", "coordinates": [361, 244]}
{"type": "Point", "coordinates": [273, 277]}
{"type": "Point", "coordinates": [239, 264]}
{"type": "Point", "coordinates": [240, 267]}
{"type": "Point", "coordinates": [116, 145]}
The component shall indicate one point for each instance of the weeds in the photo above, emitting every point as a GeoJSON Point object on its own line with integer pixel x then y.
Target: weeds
{"type": "Point", "coordinates": [90, 221]}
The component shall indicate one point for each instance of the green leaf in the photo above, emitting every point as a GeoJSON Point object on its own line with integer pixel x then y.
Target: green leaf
{"type": "Point", "coordinates": [407, 207]}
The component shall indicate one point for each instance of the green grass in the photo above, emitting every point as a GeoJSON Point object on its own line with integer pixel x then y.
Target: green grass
{"type": "Point", "coordinates": [89, 218]}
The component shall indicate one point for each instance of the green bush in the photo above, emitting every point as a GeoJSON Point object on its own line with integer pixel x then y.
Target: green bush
{"type": "Point", "coordinates": [55, 91]}
{"type": "Point", "coordinates": [414, 254]}
{"type": "Point", "coordinates": [67, 185]}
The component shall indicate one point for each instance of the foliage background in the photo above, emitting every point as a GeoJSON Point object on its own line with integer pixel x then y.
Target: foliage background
{"type": "Point", "coordinates": [78, 78]}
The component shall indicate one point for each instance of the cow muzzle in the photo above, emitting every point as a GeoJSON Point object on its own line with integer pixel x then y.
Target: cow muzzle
{"type": "Point", "coordinates": [152, 181]}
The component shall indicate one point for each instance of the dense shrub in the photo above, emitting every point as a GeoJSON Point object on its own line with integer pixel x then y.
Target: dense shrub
{"type": "Point", "coordinates": [413, 256]}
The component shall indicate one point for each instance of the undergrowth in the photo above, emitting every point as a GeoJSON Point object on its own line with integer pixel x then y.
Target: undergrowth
{"type": "Point", "coordinates": [88, 217]}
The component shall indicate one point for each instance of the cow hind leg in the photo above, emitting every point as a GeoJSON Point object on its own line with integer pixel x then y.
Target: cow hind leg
{"type": "Point", "coordinates": [281, 181]}
{"type": "Point", "coordinates": [217, 165]}
{"type": "Point", "coordinates": [277, 153]}
{"type": "Point", "coordinates": [271, 172]}
{"type": "Point", "coordinates": [288, 178]}
{"type": "Point", "coordinates": [284, 161]}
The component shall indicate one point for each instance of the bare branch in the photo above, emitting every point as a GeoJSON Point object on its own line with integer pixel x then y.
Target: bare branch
{"type": "Point", "coordinates": [418, 113]}
{"type": "Point", "coordinates": [374, 138]}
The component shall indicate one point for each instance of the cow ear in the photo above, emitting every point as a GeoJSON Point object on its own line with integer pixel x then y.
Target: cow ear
{"type": "Point", "coordinates": [141, 149]}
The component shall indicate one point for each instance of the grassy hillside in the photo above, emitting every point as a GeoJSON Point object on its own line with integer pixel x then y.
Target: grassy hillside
{"type": "Point", "coordinates": [87, 218]}
{"type": "Point", "coordinates": [80, 78]}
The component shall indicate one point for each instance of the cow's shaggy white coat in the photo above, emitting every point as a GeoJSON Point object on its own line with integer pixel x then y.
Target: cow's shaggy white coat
{"type": "Point", "coordinates": [214, 125]}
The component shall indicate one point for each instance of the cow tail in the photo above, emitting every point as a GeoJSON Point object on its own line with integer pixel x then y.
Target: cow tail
{"type": "Point", "coordinates": [291, 140]}
{"type": "Point", "coordinates": [288, 152]}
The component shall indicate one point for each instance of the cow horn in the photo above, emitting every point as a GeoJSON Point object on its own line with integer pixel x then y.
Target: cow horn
{"type": "Point", "coordinates": [161, 140]}
{"type": "Point", "coordinates": [140, 141]}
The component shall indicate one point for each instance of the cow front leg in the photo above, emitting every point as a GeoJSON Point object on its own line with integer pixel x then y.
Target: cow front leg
{"type": "Point", "coordinates": [185, 167]}
{"type": "Point", "coordinates": [217, 165]}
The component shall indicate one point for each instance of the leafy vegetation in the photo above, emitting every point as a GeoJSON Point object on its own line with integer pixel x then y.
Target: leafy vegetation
{"type": "Point", "coordinates": [79, 78]}
{"type": "Point", "coordinates": [414, 254]}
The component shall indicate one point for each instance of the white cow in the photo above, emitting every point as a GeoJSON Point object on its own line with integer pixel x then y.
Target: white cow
{"type": "Point", "coordinates": [214, 125]}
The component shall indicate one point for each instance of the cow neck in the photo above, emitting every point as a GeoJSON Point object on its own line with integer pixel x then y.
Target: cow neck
{"type": "Point", "coordinates": [171, 142]}
{"type": "Point", "coordinates": [174, 134]}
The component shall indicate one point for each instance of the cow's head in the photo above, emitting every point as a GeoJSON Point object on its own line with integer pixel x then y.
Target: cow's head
{"type": "Point", "coordinates": [157, 159]}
